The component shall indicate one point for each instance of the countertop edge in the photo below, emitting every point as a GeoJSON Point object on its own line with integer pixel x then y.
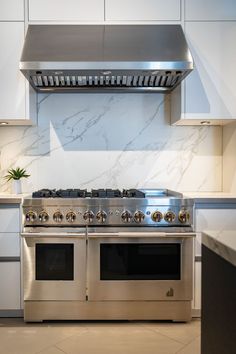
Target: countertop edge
{"type": "Point", "coordinates": [12, 198]}
{"type": "Point", "coordinates": [216, 242]}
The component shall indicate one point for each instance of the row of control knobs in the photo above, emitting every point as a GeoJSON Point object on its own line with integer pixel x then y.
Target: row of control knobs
{"type": "Point", "coordinates": [101, 216]}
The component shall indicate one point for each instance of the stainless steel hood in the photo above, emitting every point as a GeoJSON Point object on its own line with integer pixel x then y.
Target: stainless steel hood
{"type": "Point", "coordinates": [105, 58]}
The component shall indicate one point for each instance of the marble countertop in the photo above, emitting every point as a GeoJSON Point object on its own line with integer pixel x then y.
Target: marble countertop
{"type": "Point", "coordinates": [221, 242]}
{"type": "Point", "coordinates": [211, 197]}
{"type": "Point", "coordinates": [6, 198]}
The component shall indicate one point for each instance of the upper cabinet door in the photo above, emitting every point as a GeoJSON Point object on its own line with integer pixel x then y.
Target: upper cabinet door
{"type": "Point", "coordinates": [11, 10]}
{"type": "Point", "coordinates": [66, 10]}
{"type": "Point", "coordinates": [210, 89]}
{"type": "Point", "coordinates": [142, 10]}
{"type": "Point", "coordinates": [12, 82]}
{"type": "Point", "coordinates": [210, 10]}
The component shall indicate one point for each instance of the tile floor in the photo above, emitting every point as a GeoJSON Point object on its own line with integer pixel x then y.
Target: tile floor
{"type": "Point", "coordinates": [145, 337]}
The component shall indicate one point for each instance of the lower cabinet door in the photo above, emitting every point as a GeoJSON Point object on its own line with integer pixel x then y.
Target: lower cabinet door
{"type": "Point", "coordinates": [10, 286]}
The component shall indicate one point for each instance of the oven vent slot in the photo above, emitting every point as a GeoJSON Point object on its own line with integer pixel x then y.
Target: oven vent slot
{"type": "Point", "coordinates": [165, 80]}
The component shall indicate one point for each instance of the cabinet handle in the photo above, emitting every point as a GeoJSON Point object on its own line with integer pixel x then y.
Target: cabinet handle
{"type": "Point", "coordinates": [9, 259]}
{"type": "Point", "coordinates": [198, 258]}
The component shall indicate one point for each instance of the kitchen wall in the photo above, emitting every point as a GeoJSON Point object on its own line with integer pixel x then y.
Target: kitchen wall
{"type": "Point", "coordinates": [229, 158]}
{"type": "Point", "coordinates": [108, 140]}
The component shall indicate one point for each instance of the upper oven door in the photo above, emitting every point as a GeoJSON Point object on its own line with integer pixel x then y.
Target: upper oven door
{"type": "Point", "coordinates": [54, 267]}
{"type": "Point", "coordinates": [140, 266]}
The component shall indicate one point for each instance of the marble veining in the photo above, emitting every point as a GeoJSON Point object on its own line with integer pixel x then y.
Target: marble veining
{"type": "Point", "coordinates": [111, 140]}
{"type": "Point", "coordinates": [221, 242]}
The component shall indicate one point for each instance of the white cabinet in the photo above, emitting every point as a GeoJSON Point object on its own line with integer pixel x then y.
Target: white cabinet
{"type": "Point", "coordinates": [9, 219]}
{"type": "Point", "coordinates": [12, 82]}
{"type": "Point", "coordinates": [9, 245]}
{"type": "Point", "coordinates": [210, 10]}
{"type": "Point", "coordinates": [66, 10]}
{"type": "Point", "coordinates": [208, 93]}
{"type": "Point", "coordinates": [10, 290]}
{"type": "Point", "coordinates": [215, 219]}
{"type": "Point", "coordinates": [10, 285]}
{"type": "Point", "coordinates": [11, 10]}
{"type": "Point", "coordinates": [18, 104]}
{"type": "Point", "coordinates": [142, 10]}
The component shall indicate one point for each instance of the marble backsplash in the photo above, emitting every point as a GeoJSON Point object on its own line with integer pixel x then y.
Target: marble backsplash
{"type": "Point", "coordinates": [229, 160]}
{"type": "Point", "coordinates": [107, 140]}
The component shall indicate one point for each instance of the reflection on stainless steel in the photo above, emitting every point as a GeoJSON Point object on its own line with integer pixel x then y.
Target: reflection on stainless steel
{"type": "Point", "coordinates": [89, 255]}
{"type": "Point", "coordinates": [54, 290]}
{"type": "Point", "coordinates": [98, 58]}
{"type": "Point", "coordinates": [138, 290]}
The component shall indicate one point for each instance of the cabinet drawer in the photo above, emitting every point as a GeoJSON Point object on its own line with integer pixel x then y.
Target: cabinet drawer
{"type": "Point", "coordinates": [10, 285]}
{"type": "Point", "coordinates": [215, 219]}
{"type": "Point", "coordinates": [9, 245]}
{"type": "Point", "coordinates": [11, 10]}
{"type": "Point", "coordinates": [66, 10]}
{"type": "Point", "coordinates": [210, 10]}
{"type": "Point", "coordinates": [9, 219]}
{"type": "Point", "coordinates": [142, 10]}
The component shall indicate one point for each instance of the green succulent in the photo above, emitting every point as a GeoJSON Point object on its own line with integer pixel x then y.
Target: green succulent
{"type": "Point", "coordinates": [16, 173]}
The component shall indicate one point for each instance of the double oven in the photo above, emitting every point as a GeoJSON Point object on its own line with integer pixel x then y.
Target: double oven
{"type": "Point", "coordinates": [107, 273]}
{"type": "Point", "coordinates": [107, 254]}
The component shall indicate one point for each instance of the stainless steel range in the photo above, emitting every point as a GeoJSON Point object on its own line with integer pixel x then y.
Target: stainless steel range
{"type": "Point", "coordinates": [107, 254]}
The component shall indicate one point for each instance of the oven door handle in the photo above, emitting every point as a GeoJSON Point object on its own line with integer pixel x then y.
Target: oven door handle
{"type": "Point", "coordinates": [142, 234]}
{"type": "Point", "coordinates": [53, 234]}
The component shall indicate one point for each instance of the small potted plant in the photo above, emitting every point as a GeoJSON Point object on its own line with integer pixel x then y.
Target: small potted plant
{"type": "Point", "coordinates": [15, 175]}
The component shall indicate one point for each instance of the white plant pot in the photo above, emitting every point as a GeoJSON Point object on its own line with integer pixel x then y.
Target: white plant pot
{"type": "Point", "coordinates": [16, 186]}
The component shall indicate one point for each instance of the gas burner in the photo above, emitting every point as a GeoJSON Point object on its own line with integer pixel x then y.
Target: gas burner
{"type": "Point", "coordinates": [71, 193]}
{"type": "Point", "coordinates": [98, 193]}
{"type": "Point", "coordinates": [106, 193]}
{"type": "Point", "coordinates": [83, 193]}
{"type": "Point", "coordinates": [133, 193]}
{"type": "Point", "coordinates": [60, 193]}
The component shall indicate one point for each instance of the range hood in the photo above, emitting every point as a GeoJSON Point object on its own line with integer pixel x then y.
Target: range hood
{"type": "Point", "coordinates": [105, 58]}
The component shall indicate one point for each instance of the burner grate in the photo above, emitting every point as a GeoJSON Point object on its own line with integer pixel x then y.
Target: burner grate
{"type": "Point", "coordinates": [83, 193]}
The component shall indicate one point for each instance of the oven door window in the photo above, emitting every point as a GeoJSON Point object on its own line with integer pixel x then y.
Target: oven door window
{"type": "Point", "coordinates": [54, 261]}
{"type": "Point", "coordinates": [140, 261]}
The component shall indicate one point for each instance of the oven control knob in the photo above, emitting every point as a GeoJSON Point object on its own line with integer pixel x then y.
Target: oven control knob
{"type": "Point", "coordinates": [101, 216]}
{"type": "Point", "coordinates": [139, 216]}
{"type": "Point", "coordinates": [126, 216]}
{"type": "Point", "coordinates": [57, 216]}
{"type": "Point", "coordinates": [169, 216]}
{"type": "Point", "coordinates": [184, 216]}
{"type": "Point", "coordinates": [70, 216]}
{"type": "Point", "coordinates": [30, 216]}
{"type": "Point", "coordinates": [43, 216]}
{"type": "Point", "coordinates": [157, 216]}
{"type": "Point", "coordinates": [88, 216]}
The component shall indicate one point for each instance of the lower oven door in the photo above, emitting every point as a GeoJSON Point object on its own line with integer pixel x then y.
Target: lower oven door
{"type": "Point", "coordinates": [54, 268]}
{"type": "Point", "coordinates": [140, 266]}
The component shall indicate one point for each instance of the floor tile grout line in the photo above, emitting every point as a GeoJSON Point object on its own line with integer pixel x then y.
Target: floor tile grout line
{"type": "Point", "coordinates": [164, 335]}
{"type": "Point", "coordinates": [60, 341]}
{"type": "Point", "coordinates": [60, 349]}
{"type": "Point", "coordinates": [157, 331]}
{"type": "Point", "coordinates": [187, 345]}
{"type": "Point", "coordinates": [51, 346]}
{"type": "Point", "coordinates": [74, 334]}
